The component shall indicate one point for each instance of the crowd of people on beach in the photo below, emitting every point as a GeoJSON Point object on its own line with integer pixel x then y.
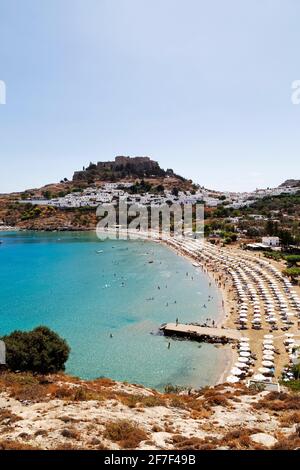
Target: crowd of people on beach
{"type": "Point", "coordinates": [262, 300]}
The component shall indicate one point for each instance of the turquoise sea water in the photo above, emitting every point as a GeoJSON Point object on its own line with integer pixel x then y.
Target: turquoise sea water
{"type": "Point", "coordinates": [59, 280]}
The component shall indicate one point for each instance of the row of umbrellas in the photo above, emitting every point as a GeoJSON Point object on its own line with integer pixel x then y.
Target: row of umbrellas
{"type": "Point", "coordinates": [243, 363]}
{"type": "Point", "coordinates": [261, 287]}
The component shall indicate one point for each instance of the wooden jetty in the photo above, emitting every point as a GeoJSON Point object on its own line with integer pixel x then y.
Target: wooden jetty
{"type": "Point", "coordinates": [202, 334]}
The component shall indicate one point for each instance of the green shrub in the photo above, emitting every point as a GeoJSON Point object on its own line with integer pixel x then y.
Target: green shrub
{"type": "Point", "coordinates": [40, 350]}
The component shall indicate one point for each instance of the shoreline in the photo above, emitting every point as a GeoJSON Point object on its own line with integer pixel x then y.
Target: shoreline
{"type": "Point", "coordinates": [230, 355]}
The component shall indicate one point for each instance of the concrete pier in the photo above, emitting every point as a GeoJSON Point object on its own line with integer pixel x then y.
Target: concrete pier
{"type": "Point", "coordinates": [201, 333]}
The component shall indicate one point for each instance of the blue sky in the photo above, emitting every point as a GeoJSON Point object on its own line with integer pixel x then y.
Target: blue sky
{"type": "Point", "coordinates": [201, 86]}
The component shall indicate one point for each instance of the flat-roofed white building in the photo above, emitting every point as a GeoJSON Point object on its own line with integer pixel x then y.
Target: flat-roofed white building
{"type": "Point", "coordinates": [271, 241]}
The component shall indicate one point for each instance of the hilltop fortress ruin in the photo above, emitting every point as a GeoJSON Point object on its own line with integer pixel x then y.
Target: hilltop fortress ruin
{"type": "Point", "coordinates": [121, 167]}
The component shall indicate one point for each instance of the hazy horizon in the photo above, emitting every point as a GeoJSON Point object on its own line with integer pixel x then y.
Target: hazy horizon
{"type": "Point", "coordinates": [201, 87]}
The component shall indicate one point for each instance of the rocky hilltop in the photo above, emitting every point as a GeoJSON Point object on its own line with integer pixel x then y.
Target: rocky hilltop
{"type": "Point", "coordinates": [290, 184]}
{"type": "Point", "coordinates": [121, 167]}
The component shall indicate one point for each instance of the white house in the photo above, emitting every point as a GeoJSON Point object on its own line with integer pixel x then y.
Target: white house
{"type": "Point", "coordinates": [271, 241]}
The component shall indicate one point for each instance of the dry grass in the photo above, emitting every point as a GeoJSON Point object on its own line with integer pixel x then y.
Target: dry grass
{"type": "Point", "coordinates": [125, 433]}
{"type": "Point", "coordinates": [217, 400]}
{"type": "Point", "coordinates": [290, 418]}
{"type": "Point", "coordinates": [194, 443]}
{"type": "Point", "coordinates": [156, 428]}
{"type": "Point", "coordinates": [7, 417]}
{"type": "Point", "coordinates": [68, 446]}
{"type": "Point", "coordinates": [15, 445]}
{"type": "Point", "coordinates": [276, 401]}
{"type": "Point", "coordinates": [152, 401]}
{"type": "Point", "coordinates": [202, 414]}
{"type": "Point", "coordinates": [71, 433]}
{"type": "Point", "coordinates": [291, 442]}
{"type": "Point", "coordinates": [41, 432]}
{"type": "Point", "coordinates": [239, 439]}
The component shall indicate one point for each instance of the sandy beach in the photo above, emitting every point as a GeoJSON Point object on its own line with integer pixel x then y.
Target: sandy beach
{"type": "Point", "coordinates": [230, 308]}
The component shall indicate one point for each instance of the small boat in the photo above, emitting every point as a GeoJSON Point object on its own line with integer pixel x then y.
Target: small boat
{"type": "Point", "coordinates": [100, 251]}
{"type": "Point", "coordinates": [150, 262]}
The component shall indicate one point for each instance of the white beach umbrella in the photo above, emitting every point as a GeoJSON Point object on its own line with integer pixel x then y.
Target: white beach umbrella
{"type": "Point", "coordinates": [264, 370]}
{"type": "Point", "coordinates": [289, 341]}
{"type": "Point", "coordinates": [268, 353]}
{"type": "Point", "coordinates": [245, 354]}
{"type": "Point", "coordinates": [269, 336]}
{"type": "Point", "coordinates": [243, 360]}
{"type": "Point", "coordinates": [268, 341]}
{"type": "Point", "coordinates": [259, 377]}
{"type": "Point", "coordinates": [241, 365]}
{"type": "Point", "coordinates": [244, 348]}
{"type": "Point", "coordinates": [232, 379]}
{"type": "Point", "coordinates": [268, 347]}
{"type": "Point", "coordinates": [244, 338]}
{"type": "Point", "coordinates": [236, 371]}
{"type": "Point", "coordinates": [268, 363]}
{"type": "Point", "coordinates": [268, 358]}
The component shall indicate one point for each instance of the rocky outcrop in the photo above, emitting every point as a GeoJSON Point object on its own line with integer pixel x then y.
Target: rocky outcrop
{"type": "Point", "coordinates": [121, 167]}
{"type": "Point", "coordinates": [290, 184]}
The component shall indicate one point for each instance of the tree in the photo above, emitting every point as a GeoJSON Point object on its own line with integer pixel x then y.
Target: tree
{"type": "Point", "coordinates": [286, 238]}
{"type": "Point", "coordinates": [47, 194]}
{"type": "Point", "coordinates": [296, 371]}
{"type": "Point", "coordinates": [292, 260]}
{"type": "Point", "coordinates": [40, 350]}
{"type": "Point", "coordinates": [292, 273]}
{"type": "Point", "coordinates": [160, 188]}
{"type": "Point", "coordinates": [271, 228]}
